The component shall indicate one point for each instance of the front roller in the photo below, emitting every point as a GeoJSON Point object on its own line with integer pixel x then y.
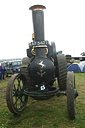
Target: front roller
{"type": "Point", "coordinates": [15, 97]}
{"type": "Point", "coordinates": [71, 93]}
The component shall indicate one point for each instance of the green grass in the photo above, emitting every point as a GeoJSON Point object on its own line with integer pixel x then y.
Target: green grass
{"type": "Point", "coordinates": [50, 113]}
{"type": "Point", "coordinates": [3, 83]}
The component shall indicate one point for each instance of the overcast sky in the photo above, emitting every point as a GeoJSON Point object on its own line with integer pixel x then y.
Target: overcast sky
{"type": "Point", "coordinates": [64, 24]}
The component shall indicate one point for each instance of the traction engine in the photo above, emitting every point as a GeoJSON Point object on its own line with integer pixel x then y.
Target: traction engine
{"type": "Point", "coordinates": [39, 70]}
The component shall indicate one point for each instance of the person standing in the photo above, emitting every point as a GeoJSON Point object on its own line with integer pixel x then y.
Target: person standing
{"type": "Point", "coordinates": [2, 71]}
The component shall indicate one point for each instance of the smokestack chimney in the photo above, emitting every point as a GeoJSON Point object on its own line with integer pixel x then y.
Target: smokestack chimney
{"type": "Point", "coordinates": [38, 21]}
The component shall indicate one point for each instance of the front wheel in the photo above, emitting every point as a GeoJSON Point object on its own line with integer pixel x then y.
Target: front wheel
{"type": "Point", "coordinates": [70, 94]}
{"type": "Point", "coordinates": [15, 97]}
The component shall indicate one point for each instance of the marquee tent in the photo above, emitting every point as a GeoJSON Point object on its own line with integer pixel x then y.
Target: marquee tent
{"type": "Point", "coordinates": [74, 67]}
{"type": "Point", "coordinates": [77, 67]}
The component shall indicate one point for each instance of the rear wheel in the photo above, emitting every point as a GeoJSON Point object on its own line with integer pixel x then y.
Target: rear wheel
{"type": "Point", "coordinates": [62, 72]}
{"type": "Point", "coordinates": [70, 94]}
{"type": "Point", "coordinates": [15, 97]}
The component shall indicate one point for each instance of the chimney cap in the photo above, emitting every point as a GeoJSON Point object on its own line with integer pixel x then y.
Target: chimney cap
{"type": "Point", "coordinates": [37, 7]}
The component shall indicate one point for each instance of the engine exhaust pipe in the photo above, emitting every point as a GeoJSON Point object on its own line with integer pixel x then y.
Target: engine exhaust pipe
{"type": "Point", "coordinates": [38, 21]}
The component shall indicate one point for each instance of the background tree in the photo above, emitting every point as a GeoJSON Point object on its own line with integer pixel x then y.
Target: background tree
{"type": "Point", "coordinates": [83, 54]}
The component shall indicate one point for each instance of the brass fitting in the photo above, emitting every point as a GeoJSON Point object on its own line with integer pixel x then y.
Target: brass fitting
{"type": "Point", "coordinates": [37, 7]}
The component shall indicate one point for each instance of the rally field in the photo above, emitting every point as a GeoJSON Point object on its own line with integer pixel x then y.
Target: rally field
{"type": "Point", "coordinates": [50, 113]}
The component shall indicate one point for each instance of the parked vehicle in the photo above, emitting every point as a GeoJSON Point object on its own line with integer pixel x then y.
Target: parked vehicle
{"type": "Point", "coordinates": [12, 67]}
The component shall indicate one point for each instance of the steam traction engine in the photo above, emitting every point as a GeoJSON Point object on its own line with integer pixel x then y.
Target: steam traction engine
{"type": "Point", "coordinates": [39, 70]}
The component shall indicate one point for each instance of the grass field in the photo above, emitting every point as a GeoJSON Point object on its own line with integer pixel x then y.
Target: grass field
{"type": "Point", "coordinates": [50, 113]}
{"type": "Point", "coordinates": [3, 83]}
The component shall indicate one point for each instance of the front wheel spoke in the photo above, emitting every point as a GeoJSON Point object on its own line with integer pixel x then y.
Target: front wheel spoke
{"type": "Point", "coordinates": [22, 99]}
{"type": "Point", "coordinates": [14, 87]}
{"type": "Point", "coordinates": [15, 104]}
{"type": "Point", "coordinates": [18, 83]}
{"type": "Point", "coordinates": [21, 103]}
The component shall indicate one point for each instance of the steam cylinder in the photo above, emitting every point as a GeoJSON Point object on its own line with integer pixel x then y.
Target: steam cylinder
{"type": "Point", "coordinates": [38, 22]}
